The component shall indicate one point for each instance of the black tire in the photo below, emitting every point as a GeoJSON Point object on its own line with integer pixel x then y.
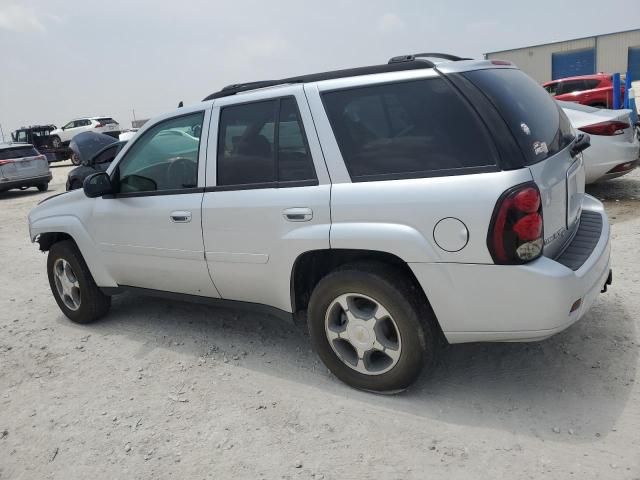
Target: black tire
{"type": "Point", "coordinates": [56, 142]}
{"type": "Point", "coordinates": [93, 303]}
{"type": "Point", "coordinates": [76, 184]}
{"type": "Point", "coordinates": [43, 187]}
{"type": "Point", "coordinates": [406, 304]}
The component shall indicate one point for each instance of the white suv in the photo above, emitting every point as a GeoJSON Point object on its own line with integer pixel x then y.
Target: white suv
{"type": "Point", "coordinates": [62, 136]}
{"type": "Point", "coordinates": [390, 206]}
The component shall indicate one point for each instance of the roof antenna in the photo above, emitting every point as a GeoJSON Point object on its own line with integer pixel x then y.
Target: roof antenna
{"type": "Point", "coordinates": [180, 105]}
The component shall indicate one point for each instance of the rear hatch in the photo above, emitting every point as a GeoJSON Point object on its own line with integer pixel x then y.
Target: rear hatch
{"type": "Point", "coordinates": [544, 136]}
{"type": "Point", "coordinates": [22, 161]}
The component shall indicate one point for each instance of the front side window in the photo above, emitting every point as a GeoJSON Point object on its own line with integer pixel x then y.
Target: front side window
{"type": "Point", "coordinates": [71, 124]}
{"type": "Point", "coordinates": [108, 154]}
{"type": "Point", "coordinates": [406, 130]}
{"type": "Point", "coordinates": [165, 157]}
{"type": "Point", "coordinates": [263, 143]}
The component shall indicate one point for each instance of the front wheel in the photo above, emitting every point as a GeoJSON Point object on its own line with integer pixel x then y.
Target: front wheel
{"type": "Point", "coordinates": [371, 327]}
{"type": "Point", "coordinates": [72, 285]}
{"type": "Point", "coordinates": [75, 158]}
{"type": "Point", "coordinates": [56, 142]}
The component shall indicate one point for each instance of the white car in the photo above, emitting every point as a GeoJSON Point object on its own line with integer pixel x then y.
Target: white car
{"type": "Point", "coordinates": [107, 125]}
{"type": "Point", "coordinates": [387, 206]}
{"type": "Point", "coordinates": [615, 148]}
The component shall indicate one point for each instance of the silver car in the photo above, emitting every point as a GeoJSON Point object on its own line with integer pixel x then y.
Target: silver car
{"type": "Point", "coordinates": [387, 207]}
{"type": "Point", "coordinates": [22, 166]}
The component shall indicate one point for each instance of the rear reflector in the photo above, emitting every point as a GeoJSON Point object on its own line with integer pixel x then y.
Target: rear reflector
{"type": "Point", "coordinates": [606, 128]}
{"type": "Point", "coordinates": [576, 305]}
{"type": "Point", "coordinates": [500, 62]}
{"type": "Point", "coordinates": [516, 231]}
{"type": "Point", "coordinates": [624, 167]}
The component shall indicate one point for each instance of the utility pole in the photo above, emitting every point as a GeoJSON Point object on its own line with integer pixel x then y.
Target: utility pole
{"type": "Point", "coordinates": [1, 133]}
{"type": "Point", "coordinates": [133, 110]}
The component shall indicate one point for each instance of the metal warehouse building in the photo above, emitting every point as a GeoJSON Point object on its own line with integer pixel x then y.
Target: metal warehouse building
{"type": "Point", "coordinates": [610, 53]}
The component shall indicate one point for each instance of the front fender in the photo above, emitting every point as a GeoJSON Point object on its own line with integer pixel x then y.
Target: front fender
{"type": "Point", "coordinates": [72, 226]}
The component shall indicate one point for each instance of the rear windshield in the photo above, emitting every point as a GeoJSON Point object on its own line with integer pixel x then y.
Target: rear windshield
{"type": "Point", "coordinates": [105, 120]}
{"type": "Point", "coordinates": [407, 130]}
{"type": "Point", "coordinates": [536, 121]}
{"type": "Point", "coordinates": [17, 152]}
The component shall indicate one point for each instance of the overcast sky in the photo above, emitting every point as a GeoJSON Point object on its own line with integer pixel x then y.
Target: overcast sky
{"type": "Point", "coordinates": [65, 58]}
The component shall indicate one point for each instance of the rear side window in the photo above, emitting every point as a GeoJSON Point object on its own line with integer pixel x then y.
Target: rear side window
{"type": "Point", "coordinates": [536, 121]}
{"type": "Point", "coordinates": [17, 152]}
{"type": "Point", "coordinates": [407, 130]}
{"type": "Point", "coordinates": [570, 86]}
{"type": "Point", "coordinates": [591, 84]}
{"type": "Point", "coordinates": [105, 120]}
{"type": "Point", "coordinates": [263, 143]}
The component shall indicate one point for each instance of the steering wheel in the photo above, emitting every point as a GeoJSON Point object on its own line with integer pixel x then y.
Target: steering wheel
{"type": "Point", "coordinates": [181, 172]}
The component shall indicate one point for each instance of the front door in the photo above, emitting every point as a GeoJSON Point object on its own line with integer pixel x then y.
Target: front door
{"type": "Point", "coordinates": [267, 196]}
{"type": "Point", "coordinates": [150, 231]}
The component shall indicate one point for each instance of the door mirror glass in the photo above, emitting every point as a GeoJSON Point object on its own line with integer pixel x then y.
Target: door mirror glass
{"type": "Point", "coordinates": [97, 185]}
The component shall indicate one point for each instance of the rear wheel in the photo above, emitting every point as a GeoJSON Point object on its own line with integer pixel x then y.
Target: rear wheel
{"type": "Point", "coordinates": [72, 285]}
{"type": "Point", "coordinates": [371, 327]}
{"type": "Point", "coordinates": [43, 187]}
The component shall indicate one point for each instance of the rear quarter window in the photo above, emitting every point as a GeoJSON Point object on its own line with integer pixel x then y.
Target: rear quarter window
{"type": "Point", "coordinates": [536, 121]}
{"type": "Point", "coordinates": [407, 129]}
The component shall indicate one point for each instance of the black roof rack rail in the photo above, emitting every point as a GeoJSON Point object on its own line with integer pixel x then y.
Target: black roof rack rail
{"type": "Point", "coordinates": [316, 77]}
{"type": "Point", "coordinates": [416, 56]}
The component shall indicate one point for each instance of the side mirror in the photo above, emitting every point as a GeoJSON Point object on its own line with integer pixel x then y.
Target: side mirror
{"type": "Point", "coordinates": [97, 185]}
{"type": "Point", "coordinates": [582, 142]}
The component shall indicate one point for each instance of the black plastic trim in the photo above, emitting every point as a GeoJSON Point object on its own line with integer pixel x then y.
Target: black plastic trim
{"type": "Point", "coordinates": [156, 193]}
{"type": "Point", "coordinates": [583, 242]}
{"type": "Point", "coordinates": [219, 302]}
{"type": "Point", "coordinates": [257, 186]}
{"type": "Point", "coordinates": [449, 172]}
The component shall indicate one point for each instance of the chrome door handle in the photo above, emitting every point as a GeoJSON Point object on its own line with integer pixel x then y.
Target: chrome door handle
{"type": "Point", "coordinates": [298, 214]}
{"type": "Point", "coordinates": [180, 217]}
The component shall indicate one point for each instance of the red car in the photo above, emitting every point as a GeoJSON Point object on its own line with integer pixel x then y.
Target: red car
{"type": "Point", "coordinates": [594, 90]}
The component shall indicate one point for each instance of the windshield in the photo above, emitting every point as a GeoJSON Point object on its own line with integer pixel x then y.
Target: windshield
{"type": "Point", "coordinates": [539, 125]}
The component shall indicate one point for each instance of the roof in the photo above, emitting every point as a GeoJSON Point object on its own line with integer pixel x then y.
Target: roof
{"type": "Point", "coordinates": [579, 77]}
{"type": "Point", "coordinates": [395, 64]}
{"type": "Point", "coordinates": [562, 41]}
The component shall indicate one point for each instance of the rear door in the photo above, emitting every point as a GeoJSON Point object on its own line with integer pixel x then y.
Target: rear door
{"type": "Point", "coordinates": [544, 135]}
{"type": "Point", "coordinates": [267, 195]}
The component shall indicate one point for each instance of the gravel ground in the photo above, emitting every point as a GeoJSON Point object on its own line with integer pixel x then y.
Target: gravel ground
{"type": "Point", "coordinates": [163, 389]}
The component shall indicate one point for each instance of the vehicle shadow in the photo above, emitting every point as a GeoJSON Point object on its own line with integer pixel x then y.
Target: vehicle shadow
{"type": "Point", "coordinates": [8, 194]}
{"type": "Point", "coordinates": [580, 379]}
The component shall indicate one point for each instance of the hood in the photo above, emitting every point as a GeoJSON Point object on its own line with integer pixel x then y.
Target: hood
{"type": "Point", "coordinates": [85, 145]}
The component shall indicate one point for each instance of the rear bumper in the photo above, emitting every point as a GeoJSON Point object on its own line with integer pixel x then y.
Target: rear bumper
{"type": "Point", "coordinates": [475, 302]}
{"type": "Point", "coordinates": [24, 182]}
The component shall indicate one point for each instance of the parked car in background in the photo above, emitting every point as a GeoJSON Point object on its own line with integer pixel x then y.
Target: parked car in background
{"type": "Point", "coordinates": [95, 152]}
{"type": "Point", "coordinates": [128, 134]}
{"type": "Point", "coordinates": [40, 137]}
{"type": "Point", "coordinates": [22, 166]}
{"type": "Point", "coordinates": [387, 206]}
{"type": "Point", "coordinates": [107, 125]}
{"type": "Point", "coordinates": [615, 148]}
{"type": "Point", "coordinates": [593, 90]}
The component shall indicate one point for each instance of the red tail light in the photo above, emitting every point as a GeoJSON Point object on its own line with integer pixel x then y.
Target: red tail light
{"type": "Point", "coordinates": [516, 234]}
{"type": "Point", "coordinates": [606, 128]}
{"type": "Point", "coordinates": [99, 125]}
{"type": "Point", "coordinates": [4, 162]}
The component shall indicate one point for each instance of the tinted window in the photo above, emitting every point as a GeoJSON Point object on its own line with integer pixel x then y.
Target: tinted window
{"type": "Point", "coordinates": [294, 160]}
{"type": "Point", "coordinates": [250, 151]}
{"type": "Point", "coordinates": [22, 136]}
{"type": "Point", "coordinates": [535, 120]}
{"type": "Point", "coordinates": [17, 152]}
{"type": "Point", "coordinates": [591, 84]}
{"type": "Point", "coordinates": [108, 154]}
{"type": "Point", "coordinates": [406, 130]}
{"type": "Point", "coordinates": [570, 86]}
{"type": "Point", "coordinates": [105, 120]}
{"type": "Point", "coordinates": [165, 157]}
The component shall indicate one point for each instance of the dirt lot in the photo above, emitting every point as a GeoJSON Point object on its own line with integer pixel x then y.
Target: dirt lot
{"type": "Point", "coordinates": [173, 390]}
